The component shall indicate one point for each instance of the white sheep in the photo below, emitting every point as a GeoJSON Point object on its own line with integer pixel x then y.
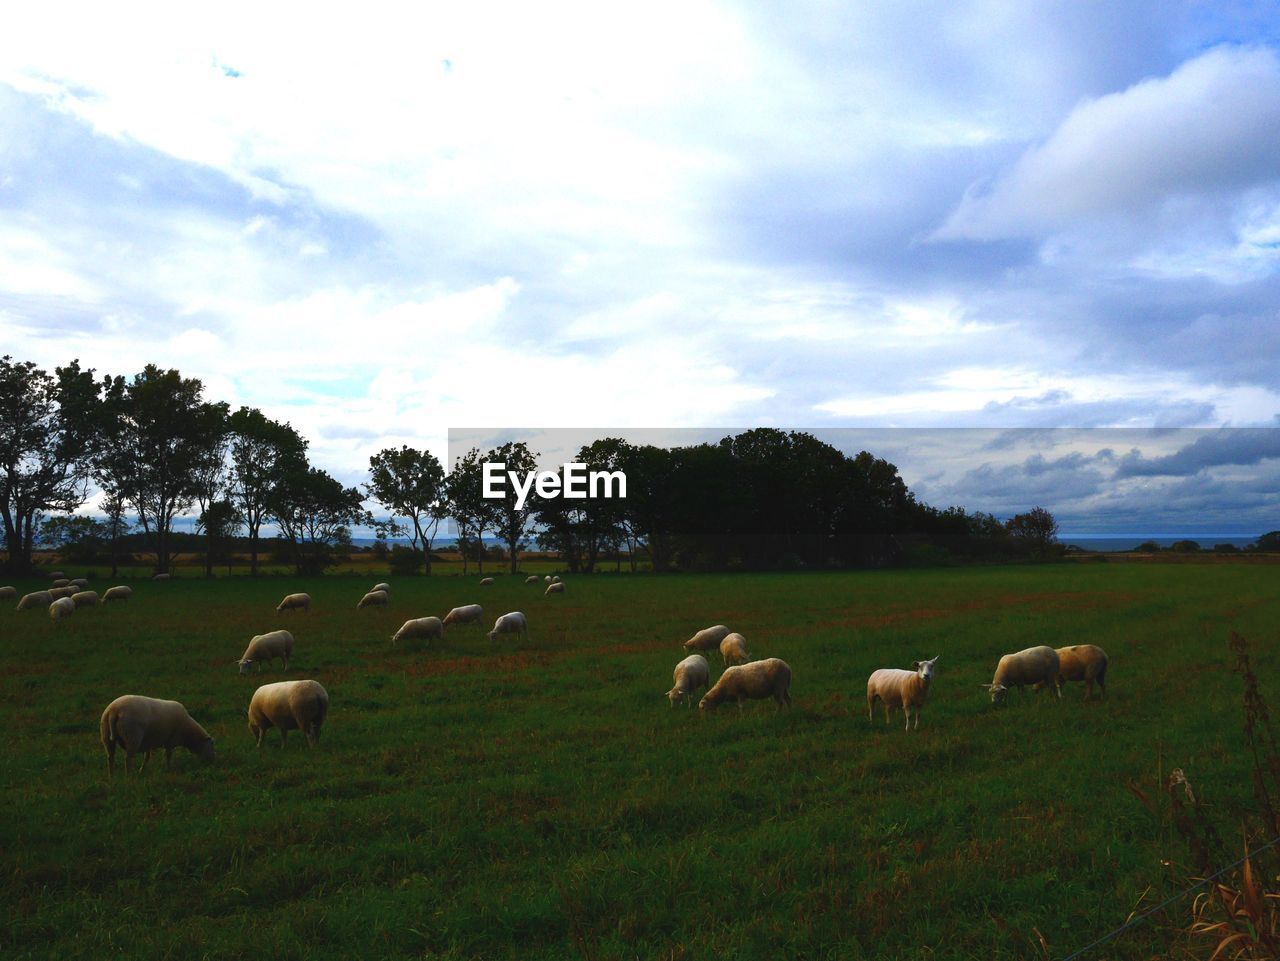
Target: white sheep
{"type": "Point", "coordinates": [85, 599]}
{"type": "Point", "coordinates": [385, 588]}
{"type": "Point", "coordinates": [143, 724]}
{"type": "Point", "coordinates": [531, 579]}
{"type": "Point", "coordinates": [513, 623]}
{"type": "Point", "coordinates": [120, 592]}
{"type": "Point", "coordinates": [34, 600]}
{"type": "Point", "coordinates": [61, 609]}
{"type": "Point", "coordinates": [555, 587]}
{"type": "Point", "coordinates": [59, 592]}
{"type": "Point", "coordinates": [733, 650]}
{"type": "Point", "coordinates": [58, 582]}
{"type": "Point", "coordinates": [898, 688]}
{"type": "Point", "coordinates": [162, 576]}
{"type": "Point", "coordinates": [690, 674]}
{"type": "Point", "coordinates": [546, 578]}
{"type": "Point", "coordinates": [467, 614]}
{"type": "Point", "coordinates": [56, 574]}
{"type": "Point", "coordinates": [373, 598]}
{"type": "Point", "coordinates": [427, 628]}
{"type": "Point", "coordinates": [289, 705]}
{"type": "Point", "coordinates": [295, 602]}
{"type": "Point", "coordinates": [267, 647]}
{"type": "Point", "coordinates": [707, 639]}
{"type": "Point", "coordinates": [8, 593]}
{"type": "Point", "coordinates": [555, 578]}
{"type": "Point", "coordinates": [486, 581]}
{"type": "Point", "coordinates": [1083, 662]}
{"type": "Point", "coordinates": [1035, 665]}
{"type": "Point", "coordinates": [80, 582]}
{"type": "Point", "coordinates": [759, 679]}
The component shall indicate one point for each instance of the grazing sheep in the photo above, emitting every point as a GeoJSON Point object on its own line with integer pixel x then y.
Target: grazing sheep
{"type": "Point", "coordinates": [56, 574]}
{"type": "Point", "coordinates": [8, 593]}
{"type": "Point", "coordinates": [546, 578]}
{"type": "Point", "coordinates": [289, 705]}
{"type": "Point", "coordinates": [1035, 665]}
{"type": "Point", "coordinates": [142, 724]}
{"type": "Point", "coordinates": [60, 592]}
{"type": "Point", "coordinates": [531, 579]}
{"type": "Point", "coordinates": [373, 598]}
{"type": "Point", "coordinates": [61, 609]}
{"type": "Point", "coordinates": [733, 650]}
{"type": "Point", "coordinates": [707, 639]}
{"type": "Point", "coordinates": [161, 577]}
{"type": "Point", "coordinates": [1083, 662]}
{"type": "Point", "coordinates": [513, 623]}
{"type": "Point", "coordinates": [118, 593]}
{"type": "Point", "coordinates": [898, 688]}
{"type": "Point", "coordinates": [85, 599]}
{"type": "Point", "coordinates": [267, 647]}
{"type": "Point", "coordinates": [759, 679]}
{"type": "Point", "coordinates": [36, 599]}
{"type": "Point", "coordinates": [467, 614]}
{"type": "Point", "coordinates": [59, 582]}
{"type": "Point", "coordinates": [690, 674]}
{"type": "Point", "coordinates": [295, 602]}
{"type": "Point", "coordinates": [385, 588]}
{"type": "Point", "coordinates": [427, 628]}
{"type": "Point", "coordinates": [555, 578]}
{"type": "Point", "coordinates": [486, 581]}
{"type": "Point", "coordinates": [555, 587]}
{"type": "Point", "coordinates": [80, 582]}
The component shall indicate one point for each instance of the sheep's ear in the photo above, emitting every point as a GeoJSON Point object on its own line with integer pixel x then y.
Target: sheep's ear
{"type": "Point", "coordinates": [935, 658]}
{"type": "Point", "coordinates": [915, 665]}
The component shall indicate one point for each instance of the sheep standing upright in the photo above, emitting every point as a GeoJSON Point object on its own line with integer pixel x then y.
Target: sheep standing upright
{"type": "Point", "coordinates": [1083, 662]}
{"type": "Point", "coordinates": [8, 593]}
{"type": "Point", "coordinates": [427, 628]}
{"type": "Point", "coordinates": [34, 600]}
{"type": "Point", "coordinates": [466, 614]}
{"type": "Point", "coordinates": [295, 602]}
{"type": "Point", "coordinates": [759, 679]}
{"type": "Point", "coordinates": [384, 587]}
{"type": "Point", "coordinates": [514, 623]}
{"type": "Point", "coordinates": [690, 674]}
{"type": "Point", "coordinates": [85, 599]}
{"type": "Point", "coordinates": [555, 587]}
{"type": "Point", "coordinates": [373, 599]}
{"type": "Point", "coordinates": [289, 706]}
{"type": "Point", "coordinates": [120, 592]}
{"type": "Point", "coordinates": [61, 609]}
{"type": "Point", "coordinates": [707, 639]}
{"type": "Point", "coordinates": [733, 650]}
{"type": "Point", "coordinates": [267, 647]}
{"type": "Point", "coordinates": [1027, 668]}
{"type": "Point", "coordinates": [898, 688]}
{"type": "Point", "coordinates": [142, 724]}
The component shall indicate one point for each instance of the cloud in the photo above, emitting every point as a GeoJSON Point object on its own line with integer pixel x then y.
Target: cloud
{"type": "Point", "coordinates": [1219, 448]}
{"type": "Point", "coordinates": [1206, 128]}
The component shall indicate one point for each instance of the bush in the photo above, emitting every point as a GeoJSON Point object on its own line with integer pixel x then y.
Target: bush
{"type": "Point", "coordinates": [405, 560]}
{"type": "Point", "coordinates": [1184, 547]}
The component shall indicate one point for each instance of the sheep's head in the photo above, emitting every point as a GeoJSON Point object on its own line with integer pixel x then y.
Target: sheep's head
{"type": "Point", "coordinates": [998, 692]}
{"type": "Point", "coordinates": [675, 696]}
{"type": "Point", "coordinates": [924, 669]}
{"type": "Point", "coordinates": [245, 664]}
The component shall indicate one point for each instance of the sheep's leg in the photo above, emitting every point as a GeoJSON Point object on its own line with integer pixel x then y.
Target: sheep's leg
{"type": "Point", "coordinates": [906, 712]}
{"type": "Point", "coordinates": [145, 758]}
{"type": "Point", "coordinates": [917, 719]}
{"type": "Point", "coordinates": [871, 703]}
{"type": "Point", "coordinates": [887, 709]}
{"type": "Point", "coordinates": [168, 757]}
{"type": "Point", "coordinates": [284, 739]}
{"type": "Point", "coordinates": [128, 761]}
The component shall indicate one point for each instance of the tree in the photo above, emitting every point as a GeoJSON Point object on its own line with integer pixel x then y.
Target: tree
{"type": "Point", "coordinates": [1037, 529]}
{"type": "Point", "coordinates": [467, 506]}
{"type": "Point", "coordinates": [219, 520]}
{"type": "Point", "coordinates": [410, 484]}
{"type": "Point", "coordinates": [113, 505]}
{"type": "Point", "coordinates": [1268, 543]}
{"type": "Point", "coordinates": [509, 520]}
{"type": "Point", "coordinates": [76, 538]}
{"type": "Point", "coordinates": [45, 449]}
{"type": "Point", "coordinates": [315, 513]}
{"type": "Point", "coordinates": [260, 449]}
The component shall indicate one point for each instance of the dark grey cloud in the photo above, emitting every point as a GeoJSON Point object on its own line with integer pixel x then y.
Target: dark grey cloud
{"type": "Point", "coordinates": [1241, 446]}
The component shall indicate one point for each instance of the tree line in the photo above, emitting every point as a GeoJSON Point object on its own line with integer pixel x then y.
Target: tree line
{"type": "Point", "coordinates": [157, 449]}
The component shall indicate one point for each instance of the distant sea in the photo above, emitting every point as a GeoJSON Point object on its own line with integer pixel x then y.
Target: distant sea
{"type": "Point", "coordinates": [1112, 543]}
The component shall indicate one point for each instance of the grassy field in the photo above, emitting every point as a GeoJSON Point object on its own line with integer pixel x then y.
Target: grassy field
{"type": "Point", "coordinates": [541, 800]}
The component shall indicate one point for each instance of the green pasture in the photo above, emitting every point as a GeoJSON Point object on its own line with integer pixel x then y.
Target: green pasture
{"type": "Point", "coordinates": [541, 800]}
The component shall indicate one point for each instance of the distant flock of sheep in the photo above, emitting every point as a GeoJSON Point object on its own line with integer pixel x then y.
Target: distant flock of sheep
{"type": "Point", "coordinates": [141, 725]}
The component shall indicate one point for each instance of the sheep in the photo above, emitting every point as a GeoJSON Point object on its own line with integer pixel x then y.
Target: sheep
{"type": "Point", "coordinates": [546, 578]}
{"type": "Point", "coordinates": [289, 705]}
{"type": "Point", "coordinates": [467, 614]}
{"type": "Point", "coordinates": [531, 579]}
{"type": "Point", "coordinates": [163, 576]}
{"type": "Point", "coordinates": [427, 628]}
{"type": "Point", "coordinates": [35, 599]}
{"type": "Point", "coordinates": [513, 623]}
{"type": "Point", "coordinates": [142, 724]}
{"type": "Point", "coordinates": [373, 598]}
{"type": "Point", "coordinates": [267, 647]}
{"type": "Point", "coordinates": [555, 578]}
{"type": "Point", "coordinates": [58, 582]}
{"type": "Point", "coordinates": [385, 588]}
{"type": "Point", "coordinates": [759, 679]}
{"type": "Point", "coordinates": [690, 674]}
{"type": "Point", "coordinates": [8, 593]}
{"type": "Point", "coordinates": [707, 639]}
{"type": "Point", "coordinates": [486, 581]}
{"type": "Point", "coordinates": [733, 650]}
{"type": "Point", "coordinates": [120, 592]}
{"type": "Point", "coordinates": [295, 602]}
{"type": "Point", "coordinates": [80, 582]}
{"type": "Point", "coordinates": [907, 689]}
{"type": "Point", "coordinates": [60, 592]}
{"type": "Point", "coordinates": [61, 609]}
{"type": "Point", "coordinates": [1034, 665]}
{"type": "Point", "coordinates": [54, 575]}
{"type": "Point", "coordinates": [1083, 662]}
{"type": "Point", "coordinates": [555, 587]}
{"type": "Point", "coordinates": [85, 599]}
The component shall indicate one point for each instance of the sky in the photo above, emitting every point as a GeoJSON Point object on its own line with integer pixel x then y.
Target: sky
{"type": "Point", "coordinates": [811, 215]}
